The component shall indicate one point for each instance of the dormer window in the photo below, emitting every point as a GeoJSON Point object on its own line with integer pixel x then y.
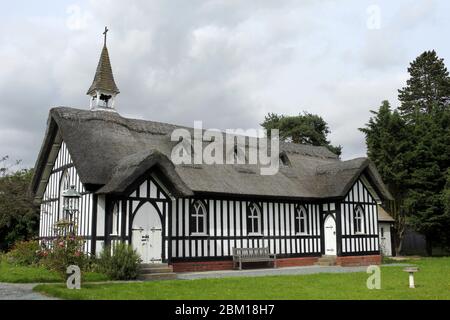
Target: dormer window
{"type": "Point", "coordinates": [284, 160]}
{"type": "Point", "coordinates": [239, 155]}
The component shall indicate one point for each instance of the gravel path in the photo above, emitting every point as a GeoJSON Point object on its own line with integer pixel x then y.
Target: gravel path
{"type": "Point", "coordinates": [13, 291]}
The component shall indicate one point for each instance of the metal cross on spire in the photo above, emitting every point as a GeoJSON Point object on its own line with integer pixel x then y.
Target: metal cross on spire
{"type": "Point", "coordinates": [106, 31]}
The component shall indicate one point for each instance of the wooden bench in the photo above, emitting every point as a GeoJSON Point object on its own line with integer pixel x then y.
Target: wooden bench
{"type": "Point", "coordinates": [252, 255]}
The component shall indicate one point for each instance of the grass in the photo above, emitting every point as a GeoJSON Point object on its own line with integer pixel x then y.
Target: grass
{"type": "Point", "coordinates": [432, 282]}
{"type": "Point", "coordinates": [37, 274]}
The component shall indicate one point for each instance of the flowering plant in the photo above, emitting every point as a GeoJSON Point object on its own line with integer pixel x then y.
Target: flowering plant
{"type": "Point", "coordinates": [65, 250]}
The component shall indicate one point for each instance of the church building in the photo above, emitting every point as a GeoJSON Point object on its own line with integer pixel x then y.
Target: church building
{"type": "Point", "coordinates": [191, 216]}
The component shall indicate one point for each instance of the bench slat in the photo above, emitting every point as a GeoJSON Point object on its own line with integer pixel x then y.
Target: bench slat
{"type": "Point", "coordinates": [253, 255]}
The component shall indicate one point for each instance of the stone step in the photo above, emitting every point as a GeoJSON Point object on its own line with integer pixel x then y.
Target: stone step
{"type": "Point", "coordinates": [157, 276]}
{"type": "Point", "coordinates": [156, 270]}
{"type": "Point", "coordinates": [326, 261]}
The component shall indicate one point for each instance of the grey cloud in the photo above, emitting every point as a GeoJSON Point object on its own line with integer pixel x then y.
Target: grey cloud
{"type": "Point", "coordinates": [226, 62]}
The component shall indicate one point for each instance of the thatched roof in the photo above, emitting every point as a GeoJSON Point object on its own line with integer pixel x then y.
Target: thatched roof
{"type": "Point", "coordinates": [104, 78]}
{"type": "Point", "coordinates": [110, 152]}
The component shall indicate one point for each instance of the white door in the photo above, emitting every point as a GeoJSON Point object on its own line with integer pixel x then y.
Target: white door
{"type": "Point", "coordinates": [330, 236]}
{"type": "Point", "coordinates": [147, 234]}
{"type": "Point", "coordinates": [384, 230]}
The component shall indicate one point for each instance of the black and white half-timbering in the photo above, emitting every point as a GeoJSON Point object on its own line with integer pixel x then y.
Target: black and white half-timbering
{"type": "Point", "coordinates": [192, 215]}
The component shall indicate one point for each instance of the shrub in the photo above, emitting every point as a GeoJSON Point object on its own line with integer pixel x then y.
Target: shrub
{"type": "Point", "coordinates": [24, 253]}
{"type": "Point", "coordinates": [121, 264]}
{"type": "Point", "coordinates": [65, 250]}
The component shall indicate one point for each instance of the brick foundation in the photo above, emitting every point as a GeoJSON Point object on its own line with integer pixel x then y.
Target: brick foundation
{"type": "Point", "coordinates": [358, 260]}
{"type": "Point", "coordinates": [296, 262]}
{"type": "Point", "coordinates": [228, 264]}
{"type": "Point", "coordinates": [193, 266]}
{"type": "Point", "coordinates": [202, 266]}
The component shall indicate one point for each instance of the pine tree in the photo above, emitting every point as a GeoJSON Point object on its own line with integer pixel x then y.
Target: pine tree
{"type": "Point", "coordinates": [387, 144]}
{"type": "Point", "coordinates": [427, 88]}
{"type": "Point", "coordinates": [429, 160]}
{"type": "Point", "coordinates": [412, 149]}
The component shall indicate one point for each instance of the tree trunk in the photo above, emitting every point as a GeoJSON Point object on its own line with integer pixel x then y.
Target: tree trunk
{"type": "Point", "coordinates": [398, 245]}
{"type": "Point", "coordinates": [429, 246]}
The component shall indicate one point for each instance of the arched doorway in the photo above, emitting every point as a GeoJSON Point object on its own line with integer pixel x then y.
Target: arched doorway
{"type": "Point", "coordinates": [147, 233]}
{"type": "Point", "coordinates": [330, 235]}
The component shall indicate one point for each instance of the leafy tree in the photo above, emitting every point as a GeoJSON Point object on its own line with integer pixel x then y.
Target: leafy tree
{"type": "Point", "coordinates": [18, 216]}
{"type": "Point", "coordinates": [305, 128]}
{"type": "Point", "coordinates": [428, 87]}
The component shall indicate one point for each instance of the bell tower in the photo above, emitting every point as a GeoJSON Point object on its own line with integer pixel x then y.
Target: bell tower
{"type": "Point", "coordinates": [103, 90]}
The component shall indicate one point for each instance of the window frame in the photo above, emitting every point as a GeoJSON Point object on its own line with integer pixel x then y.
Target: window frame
{"type": "Point", "coordinates": [65, 178]}
{"type": "Point", "coordinates": [299, 210]}
{"type": "Point", "coordinates": [251, 208]}
{"type": "Point", "coordinates": [115, 220]}
{"type": "Point", "coordinates": [359, 217]}
{"type": "Point", "coordinates": [194, 215]}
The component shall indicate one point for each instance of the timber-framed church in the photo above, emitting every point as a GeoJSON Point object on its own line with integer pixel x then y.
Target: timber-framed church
{"type": "Point", "coordinates": [192, 216]}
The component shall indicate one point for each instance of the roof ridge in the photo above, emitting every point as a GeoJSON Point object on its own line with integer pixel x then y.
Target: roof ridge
{"type": "Point", "coordinates": [163, 128]}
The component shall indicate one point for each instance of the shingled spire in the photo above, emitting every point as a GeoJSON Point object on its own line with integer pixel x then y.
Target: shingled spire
{"type": "Point", "coordinates": [103, 89]}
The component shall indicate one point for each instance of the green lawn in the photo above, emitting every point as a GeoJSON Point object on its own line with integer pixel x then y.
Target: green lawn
{"type": "Point", "coordinates": [34, 274]}
{"type": "Point", "coordinates": [432, 282]}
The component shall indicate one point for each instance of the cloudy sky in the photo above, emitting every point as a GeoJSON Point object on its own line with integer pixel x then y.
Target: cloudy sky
{"type": "Point", "coordinates": [225, 62]}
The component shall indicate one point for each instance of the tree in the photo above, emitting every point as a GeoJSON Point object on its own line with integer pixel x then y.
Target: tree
{"type": "Point", "coordinates": [306, 129]}
{"type": "Point", "coordinates": [411, 148]}
{"type": "Point", "coordinates": [446, 202]}
{"type": "Point", "coordinates": [429, 160]}
{"type": "Point", "coordinates": [18, 216]}
{"type": "Point", "coordinates": [387, 143]}
{"type": "Point", "coordinates": [427, 88]}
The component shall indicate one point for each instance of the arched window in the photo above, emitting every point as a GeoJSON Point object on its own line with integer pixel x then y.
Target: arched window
{"type": "Point", "coordinates": [358, 220]}
{"type": "Point", "coordinates": [253, 219]}
{"type": "Point", "coordinates": [301, 225]}
{"type": "Point", "coordinates": [198, 218]}
{"type": "Point", "coordinates": [63, 186]}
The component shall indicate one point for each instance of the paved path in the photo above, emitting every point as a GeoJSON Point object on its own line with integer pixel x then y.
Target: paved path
{"type": "Point", "coordinates": [273, 272]}
{"type": "Point", "coordinates": [268, 272]}
{"type": "Point", "coordinates": [13, 291]}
